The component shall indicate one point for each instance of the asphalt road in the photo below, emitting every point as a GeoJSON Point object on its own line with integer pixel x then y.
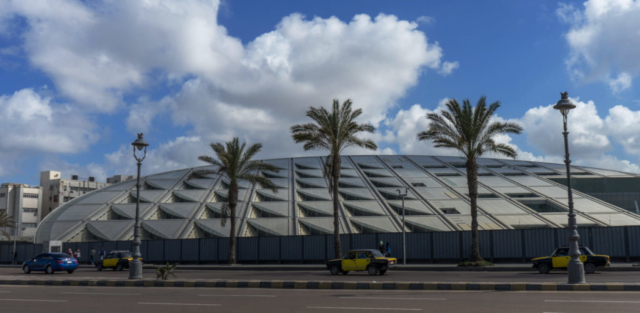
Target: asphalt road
{"type": "Point", "coordinates": [52, 299]}
{"type": "Point", "coordinates": [395, 276]}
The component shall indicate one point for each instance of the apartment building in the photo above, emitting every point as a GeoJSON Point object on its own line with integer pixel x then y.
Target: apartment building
{"type": "Point", "coordinates": [23, 203]}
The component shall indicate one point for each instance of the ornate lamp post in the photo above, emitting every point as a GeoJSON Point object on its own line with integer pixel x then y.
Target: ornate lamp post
{"type": "Point", "coordinates": [575, 266]}
{"type": "Point", "coordinates": [135, 270]}
{"type": "Point", "coordinates": [404, 242]}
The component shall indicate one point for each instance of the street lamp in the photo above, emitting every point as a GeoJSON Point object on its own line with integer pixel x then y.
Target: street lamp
{"type": "Point", "coordinates": [135, 270]}
{"type": "Point", "coordinates": [404, 243]}
{"type": "Point", "coordinates": [575, 266]}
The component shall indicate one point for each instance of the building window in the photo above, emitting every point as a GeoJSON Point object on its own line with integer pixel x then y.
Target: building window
{"type": "Point", "coordinates": [30, 195]}
{"type": "Point", "coordinates": [30, 210]}
{"type": "Point", "coordinates": [29, 225]}
{"type": "Point", "coordinates": [2, 195]}
{"type": "Point", "coordinates": [55, 198]}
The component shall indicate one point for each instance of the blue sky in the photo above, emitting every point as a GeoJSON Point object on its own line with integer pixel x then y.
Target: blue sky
{"type": "Point", "coordinates": [78, 80]}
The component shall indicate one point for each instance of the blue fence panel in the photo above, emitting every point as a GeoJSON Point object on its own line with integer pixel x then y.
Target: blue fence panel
{"type": "Point", "coordinates": [189, 250]}
{"type": "Point", "coordinates": [155, 251]}
{"type": "Point", "coordinates": [269, 248]}
{"type": "Point", "coordinates": [609, 241]}
{"type": "Point", "coordinates": [22, 249]}
{"type": "Point", "coordinates": [69, 245]}
{"type": "Point", "coordinates": [37, 248]}
{"type": "Point", "coordinates": [634, 241]}
{"type": "Point", "coordinates": [484, 241]}
{"type": "Point", "coordinates": [395, 243]}
{"type": "Point", "coordinates": [446, 245]}
{"type": "Point", "coordinates": [223, 249]}
{"type": "Point", "coordinates": [5, 255]}
{"type": "Point", "coordinates": [126, 245]}
{"type": "Point", "coordinates": [507, 244]}
{"type": "Point", "coordinates": [539, 242]}
{"type": "Point", "coordinates": [363, 241]}
{"type": "Point", "coordinates": [172, 250]}
{"type": "Point", "coordinates": [291, 249]}
{"type": "Point", "coordinates": [418, 246]}
{"type": "Point", "coordinates": [314, 248]}
{"type": "Point", "coordinates": [247, 249]}
{"type": "Point", "coordinates": [208, 249]}
{"type": "Point", "coordinates": [29, 251]}
{"type": "Point", "coordinates": [84, 251]}
{"type": "Point", "coordinates": [110, 246]}
{"type": "Point", "coordinates": [144, 247]}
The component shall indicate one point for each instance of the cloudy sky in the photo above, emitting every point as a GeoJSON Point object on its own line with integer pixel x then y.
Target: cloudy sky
{"type": "Point", "coordinates": [78, 79]}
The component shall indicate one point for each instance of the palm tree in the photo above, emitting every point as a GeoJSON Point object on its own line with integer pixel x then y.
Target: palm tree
{"type": "Point", "coordinates": [236, 163]}
{"type": "Point", "coordinates": [333, 131]}
{"type": "Point", "coordinates": [6, 222]}
{"type": "Point", "coordinates": [470, 131]}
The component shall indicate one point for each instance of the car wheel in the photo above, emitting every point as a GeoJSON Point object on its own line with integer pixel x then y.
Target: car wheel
{"type": "Point", "coordinates": [70, 271]}
{"type": "Point", "coordinates": [334, 270]}
{"type": "Point", "coordinates": [99, 267]}
{"type": "Point", "coordinates": [26, 269]}
{"type": "Point", "coordinates": [48, 270]}
{"type": "Point", "coordinates": [543, 269]}
{"type": "Point", "coordinates": [382, 272]}
{"type": "Point", "coordinates": [119, 267]}
{"type": "Point", "coordinates": [590, 268]}
{"type": "Point", "coordinates": [345, 272]}
{"type": "Point", "coordinates": [372, 270]}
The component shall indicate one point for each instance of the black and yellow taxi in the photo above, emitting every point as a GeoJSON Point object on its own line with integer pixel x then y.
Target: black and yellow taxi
{"type": "Point", "coordinates": [116, 260]}
{"type": "Point", "coordinates": [560, 258]}
{"type": "Point", "coordinates": [369, 260]}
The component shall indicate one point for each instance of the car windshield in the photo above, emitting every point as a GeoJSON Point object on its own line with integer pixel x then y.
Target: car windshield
{"type": "Point", "coordinates": [126, 255]}
{"type": "Point", "coordinates": [377, 254]}
{"type": "Point", "coordinates": [587, 250]}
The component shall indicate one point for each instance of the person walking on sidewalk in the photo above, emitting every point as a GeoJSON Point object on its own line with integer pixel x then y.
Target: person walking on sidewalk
{"type": "Point", "coordinates": [92, 255]}
{"type": "Point", "coordinates": [102, 253]}
{"type": "Point", "coordinates": [388, 249]}
{"type": "Point", "coordinates": [77, 255]}
{"type": "Point", "coordinates": [70, 252]}
{"type": "Point", "coordinates": [382, 248]}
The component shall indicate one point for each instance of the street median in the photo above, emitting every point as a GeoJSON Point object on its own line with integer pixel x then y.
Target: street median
{"type": "Point", "coordinates": [349, 285]}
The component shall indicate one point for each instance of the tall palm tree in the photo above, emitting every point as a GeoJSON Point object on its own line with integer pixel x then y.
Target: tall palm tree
{"type": "Point", "coordinates": [6, 222]}
{"type": "Point", "coordinates": [333, 131]}
{"type": "Point", "coordinates": [470, 131]}
{"type": "Point", "coordinates": [236, 163]}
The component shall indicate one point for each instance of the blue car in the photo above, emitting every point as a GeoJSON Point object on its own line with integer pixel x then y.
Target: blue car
{"type": "Point", "coordinates": [50, 263]}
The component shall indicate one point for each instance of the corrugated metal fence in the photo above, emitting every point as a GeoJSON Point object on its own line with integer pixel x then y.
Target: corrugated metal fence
{"type": "Point", "coordinates": [621, 243]}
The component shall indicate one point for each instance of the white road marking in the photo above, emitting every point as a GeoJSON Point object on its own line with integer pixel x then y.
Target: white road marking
{"type": "Point", "coordinates": [198, 304]}
{"type": "Point", "coordinates": [358, 308]}
{"type": "Point", "coordinates": [591, 301]}
{"type": "Point", "coordinates": [261, 296]}
{"type": "Point", "coordinates": [381, 298]}
{"type": "Point", "coordinates": [33, 300]}
{"type": "Point", "coordinates": [100, 293]}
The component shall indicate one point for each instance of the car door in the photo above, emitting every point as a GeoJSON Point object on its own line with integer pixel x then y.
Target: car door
{"type": "Point", "coordinates": [349, 262]}
{"type": "Point", "coordinates": [583, 255]}
{"type": "Point", "coordinates": [561, 258]}
{"type": "Point", "coordinates": [109, 261]}
{"type": "Point", "coordinates": [37, 263]}
{"type": "Point", "coordinates": [362, 261]}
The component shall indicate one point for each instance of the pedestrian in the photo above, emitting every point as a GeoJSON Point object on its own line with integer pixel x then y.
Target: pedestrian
{"type": "Point", "coordinates": [388, 249]}
{"type": "Point", "coordinates": [102, 253]}
{"type": "Point", "coordinates": [381, 247]}
{"type": "Point", "coordinates": [78, 255]}
{"type": "Point", "coordinates": [70, 252]}
{"type": "Point", "coordinates": [15, 256]}
{"type": "Point", "coordinates": [92, 255]}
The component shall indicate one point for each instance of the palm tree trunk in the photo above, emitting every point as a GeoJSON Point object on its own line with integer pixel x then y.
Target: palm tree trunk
{"type": "Point", "coordinates": [335, 173]}
{"type": "Point", "coordinates": [472, 182]}
{"type": "Point", "coordinates": [233, 202]}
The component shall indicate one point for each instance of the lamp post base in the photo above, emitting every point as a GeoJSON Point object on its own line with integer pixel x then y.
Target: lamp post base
{"type": "Point", "coordinates": [576, 272]}
{"type": "Point", "coordinates": [135, 269]}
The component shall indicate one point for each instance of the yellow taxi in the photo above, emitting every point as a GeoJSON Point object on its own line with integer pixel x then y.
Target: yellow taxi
{"type": "Point", "coordinates": [560, 258]}
{"type": "Point", "coordinates": [369, 260]}
{"type": "Point", "coordinates": [116, 260]}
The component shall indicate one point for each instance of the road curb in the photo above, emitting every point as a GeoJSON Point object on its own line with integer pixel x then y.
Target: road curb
{"type": "Point", "coordinates": [277, 284]}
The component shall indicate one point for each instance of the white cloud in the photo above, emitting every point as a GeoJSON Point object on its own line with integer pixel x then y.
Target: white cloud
{"type": "Point", "coordinates": [448, 67]}
{"type": "Point", "coordinates": [31, 124]}
{"type": "Point", "coordinates": [622, 82]}
{"type": "Point", "coordinates": [423, 19]}
{"type": "Point", "coordinates": [604, 39]}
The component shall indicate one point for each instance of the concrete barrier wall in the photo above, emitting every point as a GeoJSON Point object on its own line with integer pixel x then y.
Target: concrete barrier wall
{"type": "Point", "coordinates": [621, 243]}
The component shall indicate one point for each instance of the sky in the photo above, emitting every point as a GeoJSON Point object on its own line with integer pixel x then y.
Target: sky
{"type": "Point", "coordinates": [79, 79]}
